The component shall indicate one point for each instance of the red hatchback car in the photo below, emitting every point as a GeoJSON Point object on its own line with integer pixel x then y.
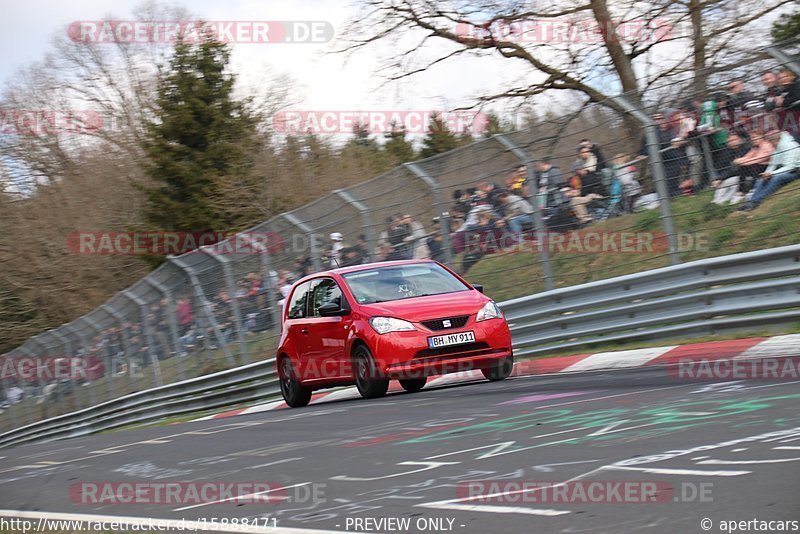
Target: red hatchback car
{"type": "Point", "coordinates": [369, 324]}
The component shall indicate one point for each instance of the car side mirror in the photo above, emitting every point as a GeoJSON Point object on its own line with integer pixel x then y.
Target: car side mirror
{"type": "Point", "coordinates": [478, 287]}
{"type": "Point", "coordinates": [331, 309]}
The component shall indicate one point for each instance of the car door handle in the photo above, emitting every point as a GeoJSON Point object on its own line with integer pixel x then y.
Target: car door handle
{"type": "Point", "coordinates": [304, 331]}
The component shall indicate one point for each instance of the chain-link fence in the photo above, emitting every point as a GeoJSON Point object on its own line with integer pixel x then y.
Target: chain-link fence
{"type": "Point", "coordinates": [619, 187]}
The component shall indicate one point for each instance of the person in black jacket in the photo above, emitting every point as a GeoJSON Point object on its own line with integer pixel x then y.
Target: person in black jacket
{"type": "Point", "coordinates": [789, 102]}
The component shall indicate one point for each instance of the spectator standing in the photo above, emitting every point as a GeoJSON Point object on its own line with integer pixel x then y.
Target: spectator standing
{"type": "Point", "coordinates": [335, 251]}
{"type": "Point", "coordinates": [416, 239]}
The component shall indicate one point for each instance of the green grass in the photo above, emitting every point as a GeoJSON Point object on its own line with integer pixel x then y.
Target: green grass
{"type": "Point", "coordinates": [776, 222]}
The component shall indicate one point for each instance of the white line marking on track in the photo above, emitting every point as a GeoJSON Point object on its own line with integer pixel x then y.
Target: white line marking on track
{"type": "Point", "coordinates": [495, 509]}
{"type": "Point", "coordinates": [617, 359]}
{"type": "Point", "coordinates": [745, 462]}
{"type": "Point", "coordinates": [668, 471]}
{"type": "Point", "coordinates": [246, 496]}
{"type": "Point", "coordinates": [274, 463]}
{"type": "Point", "coordinates": [787, 448]}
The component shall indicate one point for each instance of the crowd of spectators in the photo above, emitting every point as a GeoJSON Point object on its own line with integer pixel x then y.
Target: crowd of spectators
{"type": "Point", "coordinates": [750, 141]}
{"type": "Point", "coordinates": [742, 144]}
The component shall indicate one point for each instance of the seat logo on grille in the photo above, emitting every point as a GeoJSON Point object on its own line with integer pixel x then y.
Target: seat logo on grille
{"type": "Point", "coordinates": [446, 323]}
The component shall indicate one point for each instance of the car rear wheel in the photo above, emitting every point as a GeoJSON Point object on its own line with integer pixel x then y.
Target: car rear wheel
{"type": "Point", "coordinates": [293, 392]}
{"type": "Point", "coordinates": [500, 370]}
{"type": "Point", "coordinates": [413, 385]}
{"type": "Point", "coordinates": [368, 380]}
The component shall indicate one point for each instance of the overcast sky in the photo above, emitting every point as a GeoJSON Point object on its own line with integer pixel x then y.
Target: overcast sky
{"type": "Point", "coordinates": [325, 81]}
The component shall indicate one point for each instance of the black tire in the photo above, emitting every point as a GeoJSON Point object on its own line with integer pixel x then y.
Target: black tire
{"type": "Point", "coordinates": [500, 370]}
{"type": "Point", "coordinates": [368, 381]}
{"type": "Point", "coordinates": [293, 393]}
{"type": "Point", "coordinates": [412, 385]}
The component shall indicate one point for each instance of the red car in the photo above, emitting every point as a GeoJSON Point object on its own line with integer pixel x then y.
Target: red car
{"type": "Point", "coordinates": [404, 320]}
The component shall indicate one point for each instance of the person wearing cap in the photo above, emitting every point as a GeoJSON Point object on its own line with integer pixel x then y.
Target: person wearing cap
{"type": "Point", "coordinates": [337, 244]}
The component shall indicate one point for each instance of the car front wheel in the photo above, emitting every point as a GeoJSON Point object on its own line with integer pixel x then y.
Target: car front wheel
{"type": "Point", "coordinates": [500, 370]}
{"type": "Point", "coordinates": [368, 380]}
{"type": "Point", "coordinates": [293, 392]}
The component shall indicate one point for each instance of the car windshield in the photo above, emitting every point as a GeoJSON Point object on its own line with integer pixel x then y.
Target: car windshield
{"type": "Point", "coordinates": [384, 284]}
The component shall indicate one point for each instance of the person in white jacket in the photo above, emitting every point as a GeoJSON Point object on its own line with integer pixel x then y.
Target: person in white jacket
{"type": "Point", "coordinates": [783, 168]}
{"type": "Point", "coordinates": [417, 240]}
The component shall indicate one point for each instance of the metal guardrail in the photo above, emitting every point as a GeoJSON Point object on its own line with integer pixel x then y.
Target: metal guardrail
{"type": "Point", "coordinates": [705, 296]}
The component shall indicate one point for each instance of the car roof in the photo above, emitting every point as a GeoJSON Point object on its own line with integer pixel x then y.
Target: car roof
{"type": "Point", "coordinates": [364, 266]}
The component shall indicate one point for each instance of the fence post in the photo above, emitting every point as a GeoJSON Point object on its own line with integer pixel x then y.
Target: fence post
{"type": "Point", "coordinates": [784, 59]}
{"type": "Point", "coordinates": [266, 266]}
{"type": "Point", "coordinates": [438, 199]}
{"type": "Point", "coordinates": [86, 353]}
{"type": "Point", "coordinates": [4, 390]}
{"type": "Point", "coordinates": [70, 354]}
{"type": "Point", "coordinates": [234, 302]}
{"type": "Point", "coordinates": [109, 358]}
{"type": "Point", "coordinates": [312, 238]}
{"type": "Point", "coordinates": [204, 305]}
{"type": "Point", "coordinates": [148, 335]}
{"type": "Point", "coordinates": [659, 177]}
{"type": "Point", "coordinates": [29, 399]}
{"type": "Point", "coordinates": [39, 378]}
{"type": "Point", "coordinates": [173, 325]}
{"type": "Point", "coordinates": [708, 157]}
{"type": "Point", "coordinates": [126, 341]}
{"type": "Point", "coordinates": [542, 242]}
{"type": "Point", "coordinates": [366, 219]}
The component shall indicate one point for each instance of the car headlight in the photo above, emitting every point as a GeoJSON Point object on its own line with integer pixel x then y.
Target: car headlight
{"type": "Point", "coordinates": [489, 311]}
{"type": "Point", "coordinates": [384, 325]}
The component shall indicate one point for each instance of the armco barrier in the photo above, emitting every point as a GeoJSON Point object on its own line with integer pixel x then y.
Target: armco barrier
{"type": "Point", "coordinates": [706, 296]}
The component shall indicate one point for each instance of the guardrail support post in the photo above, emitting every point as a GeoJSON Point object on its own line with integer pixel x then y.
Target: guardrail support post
{"type": "Point", "coordinates": [659, 177]}
{"type": "Point", "coordinates": [542, 241]}
{"type": "Point", "coordinates": [438, 199]}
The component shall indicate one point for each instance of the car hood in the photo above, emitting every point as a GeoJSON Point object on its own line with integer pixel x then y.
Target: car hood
{"type": "Point", "coordinates": [417, 309]}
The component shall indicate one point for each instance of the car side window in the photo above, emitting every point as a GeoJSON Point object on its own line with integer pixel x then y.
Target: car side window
{"type": "Point", "coordinates": [325, 291]}
{"type": "Point", "coordinates": [297, 304]}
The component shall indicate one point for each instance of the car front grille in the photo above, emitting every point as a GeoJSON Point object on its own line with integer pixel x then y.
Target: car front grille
{"type": "Point", "coordinates": [438, 324]}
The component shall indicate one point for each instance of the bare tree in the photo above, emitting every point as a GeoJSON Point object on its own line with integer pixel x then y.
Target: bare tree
{"type": "Point", "coordinates": [592, 48]}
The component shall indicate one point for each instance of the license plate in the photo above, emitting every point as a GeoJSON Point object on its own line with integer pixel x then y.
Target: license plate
{"type": "Point", "coordinates": [446, 340]}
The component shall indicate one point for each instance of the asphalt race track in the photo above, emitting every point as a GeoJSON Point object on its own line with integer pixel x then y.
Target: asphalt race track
{"type": "Point", "coordinates": [474, 457]}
